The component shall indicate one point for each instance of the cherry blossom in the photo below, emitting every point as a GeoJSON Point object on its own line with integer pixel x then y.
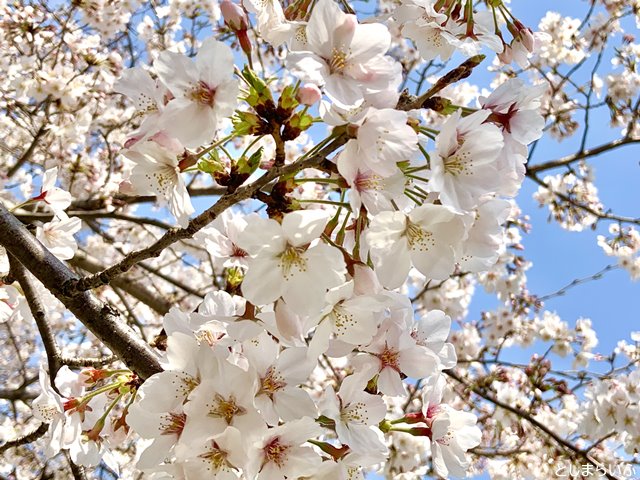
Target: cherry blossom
{"type": "Point", "coordinates": [57, 198]}
{"type": "Point", "coordinates": [428, 237]}
{"type": "Point", "coordinates": [282, 264]}
{"type": "Point", "coordinates": [156, 170]}
{"type": "Point", "coordinates": [345, 57]}
{"type": "Point", "coordinates": [57, 235]}
{"type": "Point", "coordinates": [204, 91]}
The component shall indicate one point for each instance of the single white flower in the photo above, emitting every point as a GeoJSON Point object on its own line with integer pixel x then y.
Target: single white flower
{"type": "Point", "coordinates": [279, 454]}
{"type": "Point", "coordinates": [393, 352]}
{"type": "Point", "coordinates": [426, 27]}
{"type": "Point", "coordinates": [284, 265]}
{"type": "Point", "coordinates": [345, 57]}
{"type": "Point", "coordinates": [156, 171]}
{"type": "Point", "coordinates": [204, 91]}
{"type": "Point", "coordinates": [429, 237]}
{"type": "Point", "coordinates": [57, 198]}
{"type": "Point", "coordinates": [219, 457]}
{"type": "Point", "coordinates": [464, 163]}
{"type": "Point", "coordinates": [452, 432]}
{"type": "Point", "coordinates": [354, 412]}
{"type": "Point", "coordinates": [222, 399]}
{"type": "Point", "coordinates": [348, 318]}
{"type": "Point", "coordinates": [383, 140]}
{"type": "Point", "coordinates": [221, 240]}
{"type": "Point", "coordinates": [57, 235]}
{"type": "Point", "coordinates": [280, 373]}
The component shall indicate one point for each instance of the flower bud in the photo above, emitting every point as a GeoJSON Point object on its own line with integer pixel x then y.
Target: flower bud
{"type": "Point", "coordinates": [528, 40]}
{"type": "Point", "coordinates": [506, 56]}
{"type": "Point", "coordinates": [308, 94]}
{"type": "Point", "coordinates": [233, 15]}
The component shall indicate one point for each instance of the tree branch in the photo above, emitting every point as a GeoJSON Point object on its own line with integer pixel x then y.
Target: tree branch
{"type": "Point", "coordinates": [202, 220]}
{"type": "Point", "coordinates": [533, 169]}
{"type": "Point", "coordinates": [136, 289]}
{"type": "Point", "coordinates": [567, 445]}
{"type": "Point", "coordinates": [102, 320]}
{"type": "Point", "coordinates": [28, 438]}
{"type": "Point", "coordinates": [54, 359]}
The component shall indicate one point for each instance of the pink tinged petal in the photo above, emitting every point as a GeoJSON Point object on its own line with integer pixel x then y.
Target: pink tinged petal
{"type": "Point", "coordinates": [262, 235]}
{"type": "Point", "coordinates": [343, 91]}
{"type": "Point", "coordinates": [180, 116]}
{"type": "Point", "coordinates": [389, 383]}
{"type": "Point", "coordinates": [293, 403]}
{"type": "Point", "coordinates": [157, 452]}
{"type": "Point", "coordinates": [214, 62]}
{"type": "Point", "coordinates": [393, 264]}
{"type": "Point", "coordinates": [176, 71]}
{"type": "Point", "coordinates": [321, 29]}
{"type": "Point", "coordinates": [288, 323]}
{"type": "Point", "coordinates": [303, 226]}
{"type": "Point", "coordinates": [417, 362]}
{"type": "Point", "coordinates": [263, 283]}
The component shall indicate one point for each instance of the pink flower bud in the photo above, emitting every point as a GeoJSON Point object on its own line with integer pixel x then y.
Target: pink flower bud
{"type": "Point", "coordinates": [308, 94]}
{"type": "Point", "coordinates": [528, 40]}
{"type": "Point", "coordinates": [233, 15]}
{"type": "Point", "coordinates": [506, 56]}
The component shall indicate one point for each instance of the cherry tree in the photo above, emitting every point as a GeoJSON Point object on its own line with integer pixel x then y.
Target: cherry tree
{"type": "Point", "coordinates": [239, 240]}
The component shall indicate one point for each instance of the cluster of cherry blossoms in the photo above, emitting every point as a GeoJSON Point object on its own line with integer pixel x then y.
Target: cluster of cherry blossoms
{"type": "Point", "coordinates": [304, 324]}
{"type": "Point", "coordinates": [241, 392]}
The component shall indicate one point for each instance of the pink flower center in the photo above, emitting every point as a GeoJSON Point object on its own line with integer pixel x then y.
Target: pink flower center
{"type": "Point", "coordinates": [275, 452]}
{"type": "Point", "coordinates": [389, 358]}
{"type": "Point", "coordinates": [173, 424]}
{"type": "Point", "coordinates": [203, 94]}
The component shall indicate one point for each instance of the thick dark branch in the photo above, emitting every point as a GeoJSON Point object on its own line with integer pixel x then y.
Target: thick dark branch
{"type": "Point", "coordinates": [121, 200]}
{"type": "Point", "coordinates": [30, 437]}
{"type": "Point", "coordinates": [47, 334]}
{"type": "Point", "coordinates": [47, 216]}
{"type": "Point", "coordinates": [201, 221]}
{"type": "Point", "coordinates": [532, 169]}
{"type": "Point", "coordinates": [103, 321]}
{"type": "Point", "coordinates": [80, 362]}
{"type": "Point", "coordinates": [130, 286]}
{"type": "Point", "coordinates": [562, 442]}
